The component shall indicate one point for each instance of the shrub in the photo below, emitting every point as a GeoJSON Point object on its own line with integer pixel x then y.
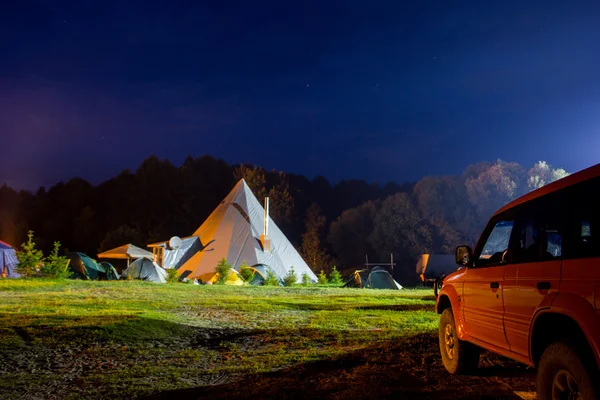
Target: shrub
{"type": "Point", "coordinates": [291, 278]}
{"type": "Point", "coordinates": [271, 279]}
{"type": "Point", "coordinates": [55, 266]}
{"type": "Point", "coordinates": [30, 258]}
{"type": "Point", "coordinates": [323, 278]}
{"type": "Point", "coordinates": [305, 279]}
{"type": "Point", "coordinates": [246, 272]}
{"type": "Point", "coordinates": [172, 276]}
{"type": "Point", "coordinates": [335, 277]}
{"type": "Point", "coordinates": [223, 269]}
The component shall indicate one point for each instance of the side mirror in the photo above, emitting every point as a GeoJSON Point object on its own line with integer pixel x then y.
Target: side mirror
{"type": "Point", "coordinates": [464, 256]}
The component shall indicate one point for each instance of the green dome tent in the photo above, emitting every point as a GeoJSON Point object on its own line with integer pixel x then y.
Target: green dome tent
{"type": "Point", "coordinates": [111, 273]}
{"type": "Point", "coordinates": [83, 267]}
{"type": "Point", "coordinates": [376, 278]}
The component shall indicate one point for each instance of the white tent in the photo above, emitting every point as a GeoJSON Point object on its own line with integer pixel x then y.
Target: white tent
{"type": "Point", "coordinates": [233, 231]}
{"type": "Point", "coordinates": [146, 270]}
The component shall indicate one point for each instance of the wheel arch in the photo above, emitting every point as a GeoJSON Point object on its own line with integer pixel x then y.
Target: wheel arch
{"type": "Point", "coordinates": [551, 326]}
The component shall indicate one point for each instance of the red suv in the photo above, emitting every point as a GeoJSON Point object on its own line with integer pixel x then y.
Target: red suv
{"type": "Point", "coordinates": [530, 290]}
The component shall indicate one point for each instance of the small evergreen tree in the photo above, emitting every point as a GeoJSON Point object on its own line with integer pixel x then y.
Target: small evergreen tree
{"type": "Point", "coordinates": [223, 269]}
{"type": "Point", "coordinates": [271, 279]}
{"type": "Point", "coordinates": [30, 258]}
{"type": "Point", "coordinates": [246, 272]}
{"type": "Point", "coordinates": [305, 280]}
{"type": "Point", "coordinates": [323, 278]}
{"type": "Point", "coordinates": [55, 266]}
{"type": "Point", "coordinates": [291, 278]}
{"type": "Point", "coordinates": [335, 277]}
{"type": "Point", "coordinates": [172, 276]}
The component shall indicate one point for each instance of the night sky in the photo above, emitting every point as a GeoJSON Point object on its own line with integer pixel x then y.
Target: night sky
{"type": "Point", "coordinates": [346, 89]}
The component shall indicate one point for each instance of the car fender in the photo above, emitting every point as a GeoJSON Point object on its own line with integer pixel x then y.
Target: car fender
{"type": "Point", "coordinates": [450, 292]}
{"type": "Point", "coordinates": [580, 311]}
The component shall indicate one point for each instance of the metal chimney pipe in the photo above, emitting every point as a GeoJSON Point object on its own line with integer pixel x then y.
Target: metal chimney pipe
{"type": "Point", "coordinates": [266, 222]}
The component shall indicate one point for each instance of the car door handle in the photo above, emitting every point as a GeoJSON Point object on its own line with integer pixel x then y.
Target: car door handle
{"type": "Point", "coordinates": [543, 285]}
{"type": "Point", "coordinates": [495, 285]}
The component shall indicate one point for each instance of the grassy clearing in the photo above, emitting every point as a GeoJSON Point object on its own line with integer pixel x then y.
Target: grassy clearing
{"type": "Point", "coordinates": [75, 339]}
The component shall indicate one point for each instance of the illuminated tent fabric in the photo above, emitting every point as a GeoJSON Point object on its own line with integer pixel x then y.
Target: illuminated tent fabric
{"type": "Point", "coordinates": [126, 251]}
{"type": "Point", "coordinates": [110, 272]}
{"type": "Point", "coordinates": [376, 278]}
{"type": "Point", "coordinates": [233, 232]}
{"type": "Point", "coordinates": [434, 266]}
{"type": "Point", "coordinates": [83, 267]}
{"type": "Point", "coordinates": [146, 270]}
{"type": "Point", "coordinates": [8, 261]}
{"type": "Point", "coordinates": [233, 278]}
{"type": "Point", "coordinates": [177, 257]}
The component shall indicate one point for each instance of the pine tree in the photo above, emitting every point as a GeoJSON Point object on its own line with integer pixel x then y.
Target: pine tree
{"type": "Point", "coordinates": [335, 277]}
{"type": "Point", "coordinates": [271, 279]}
{"type": "Point", "coordinates": [55, 266]}
{"type": "Point", "coordinates": [305, 280]}
{"type": "Point", "coordinates": [246, 272]}
{"type": "Point", "coordinates": [222, 269]}
{"type": "Point", "coordinates": [323, 278]}
{"type": "Point", "coordinates": [291, 278]}
{"type": "Point", "coordinates": [30, 259]}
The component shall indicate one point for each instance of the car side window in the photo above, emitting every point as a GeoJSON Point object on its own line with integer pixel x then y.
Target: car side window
{"type": "Point", "coordinates": [537, 240]}
{"type": "Point", "coordinates": [539, 231]}
{"type": "Point", "coordinates": [496, 244]}
{"type": "Point", "coordinates": [585, 228]}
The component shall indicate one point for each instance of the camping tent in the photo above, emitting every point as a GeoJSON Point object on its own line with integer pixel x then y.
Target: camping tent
{"type": "Point", "coordinates": [175, 258]}
{"type": "Point", "coordinates": [8, 261]}
{"type": "Point", "coordinates": [260, 275]}
{"type": "Point", "coordinates": [146, 270]}
{"type": "Point", "coordinates": [83, 267]}
{"type": "Point", "coordinates": [376, 278]}
{"type": "Point", "coordinates": [126, 252]}
{"type": "Point", "coordinates": [233, 231]}
{"type": "Point", "coordinates": [233, 278]}
{"type": "Point", "coordinates": [110, 273]}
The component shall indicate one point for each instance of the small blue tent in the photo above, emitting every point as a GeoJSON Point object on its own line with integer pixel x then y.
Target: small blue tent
{"type": "Point", "coordinates": [8, 261]}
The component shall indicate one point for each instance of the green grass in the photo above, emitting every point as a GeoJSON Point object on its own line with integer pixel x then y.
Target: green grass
{"type": "Point", "coordinates": [76, 339]}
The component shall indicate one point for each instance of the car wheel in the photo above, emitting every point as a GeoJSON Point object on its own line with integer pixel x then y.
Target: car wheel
{"type": "Point", "coordinates": [458, 356]}
{"type": "Point", "coordinates": [562, 374]}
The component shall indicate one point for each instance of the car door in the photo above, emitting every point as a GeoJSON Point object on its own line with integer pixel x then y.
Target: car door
{"type": "Point", "coordinates": [483, 307]}
{"type": "Point", "coordinates": [532, 275]}
{"type": "Point", "coordinates": [581, 268]}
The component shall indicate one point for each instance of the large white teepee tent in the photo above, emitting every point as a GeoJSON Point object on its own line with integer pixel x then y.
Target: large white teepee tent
{"type": "Point", "coordinates": [233, 231]}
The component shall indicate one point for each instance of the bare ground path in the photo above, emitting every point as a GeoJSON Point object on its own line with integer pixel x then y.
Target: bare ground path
{"type": "Point", "coordinates": [403, 370]}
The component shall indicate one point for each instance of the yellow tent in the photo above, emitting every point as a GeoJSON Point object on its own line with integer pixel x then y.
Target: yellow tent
{"type": "Point", "coordinates": [233, 278]}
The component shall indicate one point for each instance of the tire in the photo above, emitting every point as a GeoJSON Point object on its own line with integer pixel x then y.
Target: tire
{"type": "Point", "coordinates": [458, 357]}
{"type": "Point", "coordinates": [562, 366]}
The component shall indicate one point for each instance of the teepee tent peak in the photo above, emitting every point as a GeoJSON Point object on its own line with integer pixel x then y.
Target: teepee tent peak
{"type": "Point", "coordinates": [233, 231]}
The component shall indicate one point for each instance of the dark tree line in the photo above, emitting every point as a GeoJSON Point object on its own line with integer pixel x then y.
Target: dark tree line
{"type": "Point", "coordinates": [329, 224]}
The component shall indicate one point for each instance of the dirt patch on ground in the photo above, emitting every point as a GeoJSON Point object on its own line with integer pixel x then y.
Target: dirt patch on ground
{"type": "Point", "coordinates": [405, 369]}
